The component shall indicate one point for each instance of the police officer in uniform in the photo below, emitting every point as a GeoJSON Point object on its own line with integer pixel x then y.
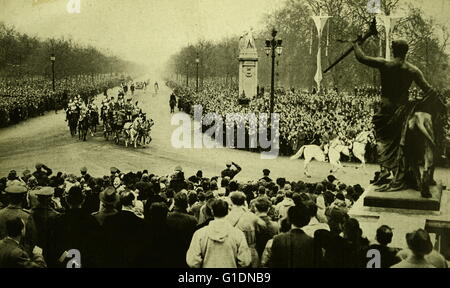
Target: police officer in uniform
{"type": "Point", "coordinates": [43, 217]}
{"type": "Point", "coordinates": [16, 195]}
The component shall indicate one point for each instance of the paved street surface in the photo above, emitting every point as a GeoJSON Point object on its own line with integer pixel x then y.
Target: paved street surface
{"type": "Point", "coordinates": [47, 139]}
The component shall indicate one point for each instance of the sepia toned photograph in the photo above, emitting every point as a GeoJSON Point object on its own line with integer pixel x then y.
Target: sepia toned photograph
{"type": "Point", "coordinates": [224, 134]}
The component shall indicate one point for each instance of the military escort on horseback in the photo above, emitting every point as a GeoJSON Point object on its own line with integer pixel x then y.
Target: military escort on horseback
{"type": "Point", "coordinates": [122, 120]}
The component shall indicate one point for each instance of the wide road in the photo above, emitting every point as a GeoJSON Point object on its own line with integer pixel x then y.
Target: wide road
{"type": "Point", "coordinates": [47, 139]}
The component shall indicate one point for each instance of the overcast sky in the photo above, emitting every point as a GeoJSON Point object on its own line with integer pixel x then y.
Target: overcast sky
{"type": "Point", "coordinates": [149, 31]}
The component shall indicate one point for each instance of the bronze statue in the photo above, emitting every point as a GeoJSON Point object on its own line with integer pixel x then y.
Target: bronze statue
{"type": "Point", "coordinates": [404, 129]}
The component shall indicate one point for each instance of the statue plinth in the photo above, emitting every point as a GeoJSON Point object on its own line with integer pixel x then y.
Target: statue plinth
{"type": "Point", "coordinates": [405, 211]}
{"type": "Point", "coordinates": [405, 199]}
{"type": "Point", "coordinates": [248, 67]}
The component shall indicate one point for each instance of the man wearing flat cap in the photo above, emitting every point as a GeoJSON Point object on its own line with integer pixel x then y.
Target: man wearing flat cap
{"type": "Point", "coordinates": [41, 174]}
{"type": "Point", "coordinates": [230, 172]}
{"type": "Point", "coordinates": [16, 194]}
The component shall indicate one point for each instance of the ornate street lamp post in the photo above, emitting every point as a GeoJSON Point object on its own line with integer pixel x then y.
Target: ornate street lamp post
{"type": "Point", "coordinates": [197, 61]}
{"type": "Point", "coordinates": [275, 48]}
{"type": "Point", "coordinates": [187, 73]}
{"type": "Point", "coordinates": [53, 59]}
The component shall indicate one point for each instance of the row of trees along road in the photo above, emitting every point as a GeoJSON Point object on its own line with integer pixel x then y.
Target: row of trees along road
{"type": "Point", "coordinates": [25, 56]}
{"type": "Point", "coordinates": [297, 66]}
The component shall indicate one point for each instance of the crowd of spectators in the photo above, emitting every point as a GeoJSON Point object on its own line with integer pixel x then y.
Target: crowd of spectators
{"type": "Point", "coordinates": [21, 99]}
{"type": "Point", "coordinates": [139, 219]}
{"type": "Point", "coordinates": [306, 117]}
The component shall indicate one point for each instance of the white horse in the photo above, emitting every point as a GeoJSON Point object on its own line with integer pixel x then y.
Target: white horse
{"type": "Point", "coordinates": [311, 152]}
{"type": "Point", "coordinates": [144, 133]}
{"type": "Point", "coordinates": [359, 147]}
{"type": "Point", "coordinates": [131, 131]}
{"type": "Point", "coordinates": [333, 150]}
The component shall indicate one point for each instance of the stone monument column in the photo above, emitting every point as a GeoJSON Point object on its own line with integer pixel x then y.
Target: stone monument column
{"type": "Point", "coordinates": [248, 66]}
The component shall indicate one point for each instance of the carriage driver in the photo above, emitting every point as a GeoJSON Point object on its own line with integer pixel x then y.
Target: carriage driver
{"type": "Point", "coordinates": [129, 110]}
{"type": "Point", "coordinates": [136, 111]}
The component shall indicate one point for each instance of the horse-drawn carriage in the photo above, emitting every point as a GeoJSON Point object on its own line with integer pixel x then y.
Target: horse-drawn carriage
{"type": "Point", "coordinates": [119, 126]}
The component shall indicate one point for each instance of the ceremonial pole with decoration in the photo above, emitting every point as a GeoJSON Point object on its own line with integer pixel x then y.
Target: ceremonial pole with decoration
{"type": "Point", "coordinates": [320, 22]}
{"type": "Point", "coordinates": [389, 23]}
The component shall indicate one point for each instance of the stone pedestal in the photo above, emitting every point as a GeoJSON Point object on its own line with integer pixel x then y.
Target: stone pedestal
{"type": "Point", "coordinates": [407, 199]}
{"type": "Point", "coordinates": [248, 67]}
{"type": "Point", "coordinates": [405, 211]}
{"type": "Point", "coordinates": [248, 78]}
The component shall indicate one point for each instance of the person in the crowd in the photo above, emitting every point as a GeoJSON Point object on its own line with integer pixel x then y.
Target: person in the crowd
{"type": "Point", "coordinates": [241, 218]}
{"type": "Point", "coordinates": [218, 245]}
{"type": "Point", "coordinates": [76, 229]}
{"type": "Point", "coordinates": [388, 254]}
{"type": "Point", "coordinates": [282, 207]}
{"type": "Point", "coordinates": [356, 244]}
{"type": "Point", "coordinates": [157, 237]}
{"type": "Point", "coordinates": [84, 173]}
{"type": "Point", "coordinates": [177, 183]}
{"type": "Point", "coordinates": [206, 215]}
{"type": "Point", "coordinates": [124, 233]}
{"type": "Point", "coordinates": [294, 249]}
{"type": "Point", "coordinates": [192, 199]}
{"type": "Point", "coordinates": [15, 196]}
{"type": "Point", "coordinates": [114, 173]}
{"type": "Point", "coordinates": [43, 218]}
{"type": "Point", "coordinates": [330, 241]}
{"type": "Point", "coordinates": [230, 172]}
{"type": "Point", "coordinates": [182, 227]}
{"type": "Point", "coordinates": [285, 226]}
{"type": "Point", "coordinates": [197, 178]}
{"type": "Point", "coordinates": [262, 193]}
{"type": "Point", "coordinates": [419, 243]}
{"type": "Point", "coordinates": [315, 223]}
{"type": "Point", "coordinates": [267, 232]}
{"type": "Point", "coordinates": [420, 252]}
{"type": "Point", "coordinates": [109, 199]}
{"type": "Point", "coordinates": [266, 173]}
{"type": "Point", "coordinates": [14, 179]}
{"type": "Point", "coordinates": [195, 208]}
{"type": "Point", "coordinates": [26, 175]}
{"type": "Point", "coordinates": [41, 174]}
{"type": "Point", "coordinates": [12, 253]}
